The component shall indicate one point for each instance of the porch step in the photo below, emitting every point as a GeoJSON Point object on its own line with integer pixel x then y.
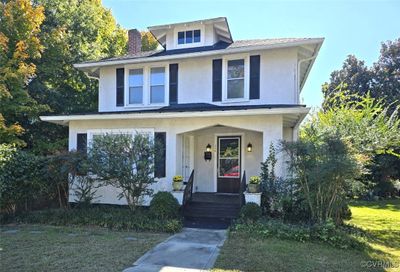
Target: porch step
{"type": "Point", "coordinates": [206, 223]}
{"type": "Point", "coordinates": [197, 209]}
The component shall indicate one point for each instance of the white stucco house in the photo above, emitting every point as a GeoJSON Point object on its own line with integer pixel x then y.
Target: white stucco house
{"type": "Point", "coordinates": [203, 90]}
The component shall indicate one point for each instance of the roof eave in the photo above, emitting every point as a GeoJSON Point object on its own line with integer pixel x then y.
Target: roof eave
{"type": "Point", "coordinates": [315, 55]}
{"type": "Point", "coordinates": [65, 119]}
{"type": "Point", "coordinates": [197, 54]}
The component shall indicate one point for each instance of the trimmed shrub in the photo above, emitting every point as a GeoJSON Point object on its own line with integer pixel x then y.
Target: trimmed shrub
{"type": "Point", "coordinates": [164, 205]}
{"type": "Point", "coordinates": [340, 237]}
{"type": "Point", "coordinates": [117, 218]}
{"type": "Point", "coordinates": [250, 212]}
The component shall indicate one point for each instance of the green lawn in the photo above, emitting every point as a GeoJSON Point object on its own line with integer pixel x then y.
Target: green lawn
{"type": "Point", "coordinates": [380, 219]}
{"type": "Point", "coordinates": [46, 248]}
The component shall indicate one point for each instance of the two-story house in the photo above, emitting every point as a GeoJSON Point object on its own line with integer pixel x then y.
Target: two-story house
{"type": "Point", "coordinates": [202, 92]}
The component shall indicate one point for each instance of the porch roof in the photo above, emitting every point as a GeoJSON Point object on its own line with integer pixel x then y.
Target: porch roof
{"type": "Point", "coordinates": [294, 112]}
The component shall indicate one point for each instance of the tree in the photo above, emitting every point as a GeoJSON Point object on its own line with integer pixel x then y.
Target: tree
{"type": "Point", "coordinates": [382, 80]}
{"type": "Point", "coordinates": [124, 162]}
{"type": "Point", "coordinates": [148, 41]}
{"type": "Point", "coordinates": [322, 166]}
{"type": "Point", "coordinates": [365, 125]}
{"type": "Point", "coordinates": [72, 32]}
{"type": "Point", "coordinates": [386, 72]}
{"type": "Point", "coordinates": [20, 46]}
{"type": "Point", "coordinates": [354, 76]}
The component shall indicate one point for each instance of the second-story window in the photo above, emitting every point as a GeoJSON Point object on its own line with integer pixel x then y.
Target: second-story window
{"type": "Point", "coordinates": [157, 85]}
{"type": "Point", "coordinates": [188, 37]}
{"type": "Point", "coordinates": [235, 79]}
{"type": "Point", "coordinates": [136, 86]}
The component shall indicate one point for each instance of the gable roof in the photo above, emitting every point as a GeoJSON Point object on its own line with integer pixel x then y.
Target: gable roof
{"type": "Point", "coordinates": [220, 25]}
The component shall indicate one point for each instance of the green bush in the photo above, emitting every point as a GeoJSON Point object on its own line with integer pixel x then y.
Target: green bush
{"type": "Point", "coordinates": [20, 179]}
{"type": "Point", "coordinates": [250, 212]}
{"type": "Point", "coordinates": [340, 237]}
{"type": "Point", "coordinates": [118, 218]}
{"type": "Point", "coordinates": [164, 205]}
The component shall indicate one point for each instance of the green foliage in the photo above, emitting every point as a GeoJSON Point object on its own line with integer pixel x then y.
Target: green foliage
{"type": "Point", "coordinates": [149, 43]}
{"type": "Point", "coordinates": [274, 189]}
{"type": "Point", "coordinates": [384, 174]}
{"type": "Point", "coordinates": [381, 80]}
{"type": "Point", "coordinates": [250, 212]}
{"type": "Point", "coordinates": [124, 162]}
{"type": "Point", "coordinates": [340, 237]}
{"type": "Point", "coordinates": [361, 103]}
{"type": "Point", "coordinates": [39, 43]}
{"type": "Point", "coordinates": [20, 179]}
{"type": "Point", "coordinates": [118, 218]}
{"type": "Point", "coordinates": [369, 131]}
{"type": "Point", "coordinates": [164, 205]}
{"type": "Point", "coordinates": [322, 168]}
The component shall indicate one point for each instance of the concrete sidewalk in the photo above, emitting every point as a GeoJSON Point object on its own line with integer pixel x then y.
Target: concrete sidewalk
{"type": "Point", "coordinates": [189, 250]}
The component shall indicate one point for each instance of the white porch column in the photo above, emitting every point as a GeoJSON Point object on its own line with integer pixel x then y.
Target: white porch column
{"type": "Point", "coordinates": [171, 159]}
{"type": "Point", "coordinates": [273, 133]}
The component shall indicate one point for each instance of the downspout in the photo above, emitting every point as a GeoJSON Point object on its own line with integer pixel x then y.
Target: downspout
{"type": "Point", "coordinates": [298, 75]}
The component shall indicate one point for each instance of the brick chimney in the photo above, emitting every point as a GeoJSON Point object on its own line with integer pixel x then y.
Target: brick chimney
{"type": "Point", "coordinates": [134, 41]}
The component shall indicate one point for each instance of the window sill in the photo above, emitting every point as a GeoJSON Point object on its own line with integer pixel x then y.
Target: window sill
{"type": "Point", "coordinates": [237, 100]}
{"type": "Point", "coordinates": [150, 106]}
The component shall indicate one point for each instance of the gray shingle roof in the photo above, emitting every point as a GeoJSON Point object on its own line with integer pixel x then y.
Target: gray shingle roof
{"type": "Point", "coordinates": [219, 46]}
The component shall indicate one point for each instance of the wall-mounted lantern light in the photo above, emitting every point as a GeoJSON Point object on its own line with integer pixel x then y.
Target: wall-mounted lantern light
{"type": "Point", "coordinates": [207, 153]}
{"type": "Point", "coordinates": [249, 147]}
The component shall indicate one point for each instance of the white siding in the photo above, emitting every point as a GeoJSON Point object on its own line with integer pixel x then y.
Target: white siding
{"type": "Point", "coordinates": [259, 130]}
{"type": "Point", "coordinates": [277, 80]}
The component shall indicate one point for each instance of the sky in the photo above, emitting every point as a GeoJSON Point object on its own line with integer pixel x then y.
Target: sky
{"type": "Point", "coordinates": [356, 27]}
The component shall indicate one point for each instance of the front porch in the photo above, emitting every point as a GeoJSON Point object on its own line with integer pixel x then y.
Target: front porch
{"type": "Point", "coordinates": [220, 155]}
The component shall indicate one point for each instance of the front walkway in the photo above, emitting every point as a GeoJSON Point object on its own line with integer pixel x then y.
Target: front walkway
{"type": "Point", "coordinates": [189, 250]}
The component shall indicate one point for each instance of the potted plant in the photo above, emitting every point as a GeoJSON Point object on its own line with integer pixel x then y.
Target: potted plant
{"type": "Point", "coordinates": [177, 182]}
{"type": "Point", "coordinates": [254, 184]}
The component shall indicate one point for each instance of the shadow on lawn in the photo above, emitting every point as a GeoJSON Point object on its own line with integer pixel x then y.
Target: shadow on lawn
{"type": "Point", "coordinates": [391, 204]}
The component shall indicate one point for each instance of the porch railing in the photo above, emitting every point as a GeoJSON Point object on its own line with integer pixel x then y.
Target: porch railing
{"type": "Point", "coordinates": [242, 189]}
{"type": "Point", "coordinates": [187, 193]}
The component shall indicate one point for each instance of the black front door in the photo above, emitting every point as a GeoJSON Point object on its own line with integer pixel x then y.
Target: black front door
{"type": "Point", "coordinates": [228, 164]}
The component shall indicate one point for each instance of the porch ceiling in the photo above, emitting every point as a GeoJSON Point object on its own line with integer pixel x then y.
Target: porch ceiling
{"type": "Point", "coordinates": [292, 120]}
{"type": "Point", "coordinates": [197, 130]}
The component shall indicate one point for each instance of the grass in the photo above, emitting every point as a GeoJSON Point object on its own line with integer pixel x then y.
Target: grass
{"type": "Point", "coordinates": [51, 248]}
{"type": "Point", "coordinates": [381, 220]}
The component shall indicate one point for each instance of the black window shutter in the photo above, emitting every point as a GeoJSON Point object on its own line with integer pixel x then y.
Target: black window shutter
{"type": "Point", "coordinates": [255, 77]}
{"type": "Point", "coordinates": [120, 86]}
{"type": "Point", "coordinates": [81, 142]}
{"type": "Point", "coordinates": [173, 83]}
{"type": "Point", "coordinates": [161, 152]}
{"type": "Point", "coordinates": [217, 80]}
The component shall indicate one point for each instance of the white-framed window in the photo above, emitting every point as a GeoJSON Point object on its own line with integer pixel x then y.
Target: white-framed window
{"type": "Point", "coordinates": [136, 86]}
{"type": "Point", "coordinates": [157, 85]}
{"type": "Point", "coordinates": [146, 86]}
{"type": "Point", "coordinates": [92, 133]}
{"type": "Point", "coordinates": [189, 36]}
{"type": "Point", "coordinates": [235, 77]}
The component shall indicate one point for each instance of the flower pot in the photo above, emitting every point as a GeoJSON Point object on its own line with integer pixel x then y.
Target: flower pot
{"type": "Point", "coordinates": [177, 185]}
{"type": "Point", "coordinates": [253, 188]}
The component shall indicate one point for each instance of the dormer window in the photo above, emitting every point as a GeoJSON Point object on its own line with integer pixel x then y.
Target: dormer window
{"type": "Point", "coordinates": [188, 37]}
